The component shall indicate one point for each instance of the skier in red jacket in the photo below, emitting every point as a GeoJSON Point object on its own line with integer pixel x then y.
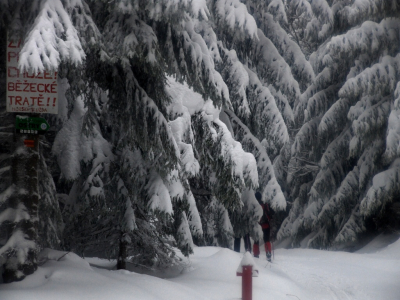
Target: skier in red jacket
{"type": "Point", "coordinates": [266, 228]}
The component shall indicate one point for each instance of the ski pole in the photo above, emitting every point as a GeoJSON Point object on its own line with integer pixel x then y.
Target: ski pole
{"type": "Point", "coordinates": [273, 251]}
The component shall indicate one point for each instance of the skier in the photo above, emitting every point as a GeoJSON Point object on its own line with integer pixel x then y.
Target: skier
{"type": "Point", "coordinates": [266, 228]}
{"type": "Point", "coordinates": [247, 243]}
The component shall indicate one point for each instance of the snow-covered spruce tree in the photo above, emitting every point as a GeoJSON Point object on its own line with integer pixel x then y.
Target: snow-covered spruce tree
{"type": "Point", "coordinates": [268, 185]}
{"type": "Point", "coordinates": [226, 170]}
{"type": "Point", "coordinates": [222, 170]}
{"type": "Point", "coordinates": [22, 214]}
{"type": "Point", "coordinates": [263, 88]}
{"type": "Point", "coordinates": [183, 40]}
{"type": "Point", "coordinates": [345, 114]}
{"type": "Point", "coordinates": [119, 184]}
{"type": "Point", "coordinates": [182, 43]}
{"type": "Point", "coordinates": [199, 35]}
{"type": "Point", "coordinates": [263, 98]}
{"type": "Point", "coordinates": [150, 162]}
{"type": "Point", "coordinates": [385, 185]}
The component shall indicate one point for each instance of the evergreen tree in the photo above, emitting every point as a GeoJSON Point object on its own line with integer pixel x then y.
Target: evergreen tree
{"type": "Point", "coordinates": [49, 37]}
{"type": "Point", "coordinates": [344, 113]}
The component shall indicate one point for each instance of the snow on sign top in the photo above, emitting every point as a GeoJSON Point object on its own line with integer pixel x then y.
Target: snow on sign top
{"type": "Point", "coordinates": [247, 260]}
{"type": "Point", "coordinates": [28, 92]}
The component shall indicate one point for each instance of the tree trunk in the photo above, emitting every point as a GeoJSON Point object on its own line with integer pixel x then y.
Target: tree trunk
{"type": "Point", "coordinates": [121, 263]}
{"type": "Point", "coordinates": [22, 255]}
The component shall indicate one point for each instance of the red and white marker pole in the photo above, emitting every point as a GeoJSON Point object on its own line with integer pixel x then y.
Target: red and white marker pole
{"type": "Point", "coordinates": [247, 270]}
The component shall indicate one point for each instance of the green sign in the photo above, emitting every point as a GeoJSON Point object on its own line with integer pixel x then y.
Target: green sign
{"type": "Point", "coordinates": [31, 124]}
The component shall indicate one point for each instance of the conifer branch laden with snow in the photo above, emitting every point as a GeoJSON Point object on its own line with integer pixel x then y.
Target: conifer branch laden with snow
{"type": "Point", "coordinates": [51, 39]}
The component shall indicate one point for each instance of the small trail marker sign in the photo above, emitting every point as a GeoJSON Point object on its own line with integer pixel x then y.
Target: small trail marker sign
{"type": "Point", "coordinates": [26, 92]}
{"type": "Point", "coordinates": [33, 125]}
{"type": "Point", "coordinates": [29, 143]}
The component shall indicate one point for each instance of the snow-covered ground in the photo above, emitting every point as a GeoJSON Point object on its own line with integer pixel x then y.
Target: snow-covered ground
{"type": "Point", "coordinates": [211, 274]}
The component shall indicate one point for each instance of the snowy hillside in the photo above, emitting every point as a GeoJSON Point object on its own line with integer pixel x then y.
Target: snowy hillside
{"type": "Point", "coordinates": [211, 274]}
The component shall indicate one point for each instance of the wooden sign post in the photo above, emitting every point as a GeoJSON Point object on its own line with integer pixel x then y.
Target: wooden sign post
{"type": "Point", "coordinates": [28, 94]}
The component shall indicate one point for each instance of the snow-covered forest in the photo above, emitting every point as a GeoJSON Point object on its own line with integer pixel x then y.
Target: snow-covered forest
{"type": "Point", "coordinates": [172, 113]}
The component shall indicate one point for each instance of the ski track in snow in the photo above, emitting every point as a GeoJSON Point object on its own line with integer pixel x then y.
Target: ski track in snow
{"type": "Point", "coordinates": [323, 283]}
{"type": "Point", "coordinates": [307, 274]}
{"type": "Point", "coordinates": [337, 275]}
{"type": "Point", "coordinates": [210, 274]}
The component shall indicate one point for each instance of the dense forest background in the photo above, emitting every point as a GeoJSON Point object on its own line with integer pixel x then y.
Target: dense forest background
{"type": "Point", "coordinates": [173, 113]}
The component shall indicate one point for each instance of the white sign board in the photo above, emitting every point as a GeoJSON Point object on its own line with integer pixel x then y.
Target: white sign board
{"type": "Point", "coordinates": [29, 93]}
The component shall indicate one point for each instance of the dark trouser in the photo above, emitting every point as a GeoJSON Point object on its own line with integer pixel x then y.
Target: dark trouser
{"type": "Point", "coordinates": [247, 243]}
{"type": "Point", "coordinates": [236, 244]}
{"type": "Point", "coordinates": [267, 243]}
{"type": "Point", "coordinates": [266, 234]}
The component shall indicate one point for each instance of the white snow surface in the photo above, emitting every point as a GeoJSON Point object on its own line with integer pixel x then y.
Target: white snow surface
{"type": "Point", "coordinates": [211, 274]}
{"type": "Point", "coordinates": [248, 260]}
